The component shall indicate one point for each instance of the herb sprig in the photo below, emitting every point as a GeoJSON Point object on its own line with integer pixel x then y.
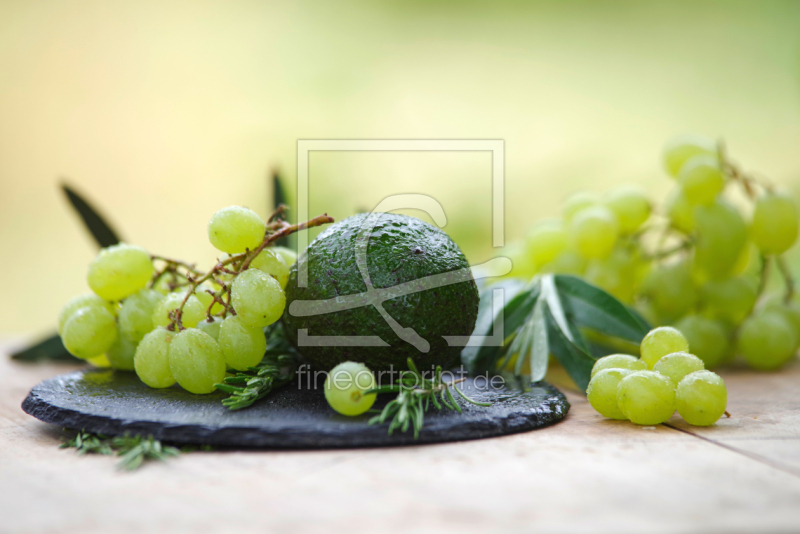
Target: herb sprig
{"type": "Point", "coordinates": [278, 368]}
{"type": "Point", "coordinates": [133, 450]}
{"type": "Point", "coordinates": [415, 395]}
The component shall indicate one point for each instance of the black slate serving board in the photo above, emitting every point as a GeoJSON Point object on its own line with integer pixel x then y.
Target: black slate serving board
{"type": "Point", "coordinates": [296, 416]}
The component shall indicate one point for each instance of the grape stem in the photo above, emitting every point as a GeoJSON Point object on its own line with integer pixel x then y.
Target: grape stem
{"type": "Point", "coordinates": [787, 278]}
{"type": "Point", "coordinates": [276, 230]}
{"type": "Point", "coordinates": [766, 263]}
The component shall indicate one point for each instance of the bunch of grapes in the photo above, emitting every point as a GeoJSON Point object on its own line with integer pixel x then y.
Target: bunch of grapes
{"type": "Point", "coordinates": [648, 390]}
{"type": "Point", "coordinates": [699, 263]}
{"type": "Point", "coordinates": [169, 321]}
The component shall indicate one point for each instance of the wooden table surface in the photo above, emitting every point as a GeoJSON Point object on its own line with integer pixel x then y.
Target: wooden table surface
{"type": "Point", "coordinates": [586, 474]}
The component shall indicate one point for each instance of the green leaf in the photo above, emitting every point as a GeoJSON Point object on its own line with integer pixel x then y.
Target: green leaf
{"type": "Point", "coordinates": [97, 226]}
{"type": "Point", "coordinates": [593, 308]}
{"type": "Point", "coordinates": [279, 197]}
{"type": "Point", "coordinates": [540, 350]}
{"type": "Point", "coordinates": [50, 348]}
{"type": "Point", "coordinates": [576, 361]}
{"type": "Point", "coordinates": [514, 315]}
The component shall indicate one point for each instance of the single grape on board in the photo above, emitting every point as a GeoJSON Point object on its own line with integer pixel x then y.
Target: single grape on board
{"type": "Point", "coordinates": [346, 387]}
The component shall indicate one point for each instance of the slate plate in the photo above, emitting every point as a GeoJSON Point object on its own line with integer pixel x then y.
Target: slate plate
{"type": "Point", "coordinates": [296, 416]}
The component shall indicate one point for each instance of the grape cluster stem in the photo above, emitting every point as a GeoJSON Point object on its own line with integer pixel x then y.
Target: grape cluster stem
{"type": "Point", "coordinates": [276, 229]}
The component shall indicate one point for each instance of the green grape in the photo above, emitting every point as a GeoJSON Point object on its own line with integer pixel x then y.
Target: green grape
{"type": "Point", "coordinates": [602, 391]}
{"type": "Point", "coordinates": [345, 388]}
{"type": "Point", "coordinates": [120, 354]}
{"type": "Point", "coordinates": [577, 202]}
{"type": "Point", "coordinates": [631, 207]}
{"type": "Point", "coordinates": [81, 301]}
{"type": "Point", "coordinates": [671, 289]}
{"type": "Point", "coordinates": [288, 255]}
{"type": "Point", "coordinates": [618, 361]}
{"type": "Point", "coordinates": [684, 147]}
{"type": "Point", "coordinates": [721, 236]}
{"type": "Point", "coordinates": [731, 299]}
{"type": "Point", "coordinates": [568, 262]}
{"type": "Point", "coordinates": [748, 263]}
{"type": "Point", "coordinates": [273, 264]}
{"type": "Point", "coordinates": [701, 398]}
{"type": "Point", "coordinates": [193, 311]}
{"type": "Point", "coordinates": [522, 265]}
{"type": "Point", "coordinates": [707, 337]}
{"type": "Point", "coordinates": [136, 315]}
{"type": "Point", "coordinates": [205, 298]}
{"type": "Point", "coordinates": [789, 310]}
{"type": "Point", "coordinates": [594, 231]}
{"type": "Point", "coordinates": [662, 341]}
{"type": "Point", "coordinates": [257, 298]}
{"type": "Point", "coordinates": [196, 361]}
{"type": "Point", "coordinates": [767, 341]}
{"type": "Point", "coordinates": [677, 365]}
{"type": "Point", "coordinates": [619, 274]}
{"type": "Point", "coordinates": [89, 332]}
{"type": "Point", "coordinates": [546, 240]}
{"type": "Point", "coordinates": [679, 211]}
{"type": "Point", "coordinates": [99, 361]}
{"type": "Point", "coordinates": [242, 345]}
{"type": "Point", "coordinates": [235, 229]}
{"type": "Point", "coordinates": [701, 180]}
{"type": "Point", "coordinates": [774, 225]}
{"type": "Point", "coordinates": [120, 270]}
{"type": "Point", "coordinates": [211, 327]}
{"type": "Point", "coordinates": [646, 397]}
{"type": "Point", "coordinates": [151, 359]}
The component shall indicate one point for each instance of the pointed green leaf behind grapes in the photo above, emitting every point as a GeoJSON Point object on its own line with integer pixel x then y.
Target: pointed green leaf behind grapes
{"type": "Point", "coordinates": [50, 348]}
{"type": "Point", "coordinates": [97, 226]}
{"type": "Point", "coordinates": [577, 362]}
{"type": "Point", "coordinates": [591, 307]}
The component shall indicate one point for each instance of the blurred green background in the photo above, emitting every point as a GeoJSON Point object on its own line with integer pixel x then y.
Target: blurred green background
{"type": "Point", "coordinates": [162, 112]}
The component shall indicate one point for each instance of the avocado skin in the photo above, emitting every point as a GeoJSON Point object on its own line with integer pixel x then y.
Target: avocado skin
{"type": "Point", "coordinates": [401, 249]}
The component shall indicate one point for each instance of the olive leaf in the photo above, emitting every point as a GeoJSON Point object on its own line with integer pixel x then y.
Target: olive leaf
{"type": "Point", "coordinates": [97, 226]}
{"type": "Point", "coordinates": [547, 317]}
{"type": "Point", "coordinates": [279, 197]}
{"type": "Point", "coordinates": [50, 348]}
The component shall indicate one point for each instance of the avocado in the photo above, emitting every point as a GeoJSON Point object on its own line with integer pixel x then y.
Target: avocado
{"type": "Point", "coordinates": [400, 249]}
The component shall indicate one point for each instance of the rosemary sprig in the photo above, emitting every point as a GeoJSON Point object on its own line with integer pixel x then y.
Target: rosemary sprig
{"type": "Point", "coordinates": [278, 368]}
{"type": "Point", "coordinates": [134, 450]}
{"type": "Point", "coordinates": [415, 395]}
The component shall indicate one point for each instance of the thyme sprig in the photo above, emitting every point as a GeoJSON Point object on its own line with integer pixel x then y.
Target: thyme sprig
{"type": "Point", "coordinates": [133, 450]}
{"type": "Point", "coordinates": [415, 395]}
{"type": "Point", "coordinates": [278, 368]}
